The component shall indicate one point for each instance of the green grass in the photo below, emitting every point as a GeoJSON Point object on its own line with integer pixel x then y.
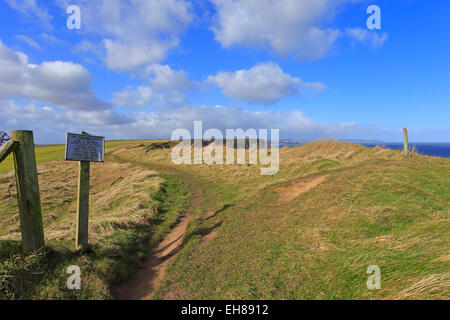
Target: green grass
{"type": "Point", "coordinates": [43, 154]}
{"type": "Point", "coordinates": [46, 153]}
{"type": "Point", "coordinates": [375, 207]}
{"type": "Point", "coordinates": [111, 259]}
{"type": "Point", "coordinates": [391, 214]}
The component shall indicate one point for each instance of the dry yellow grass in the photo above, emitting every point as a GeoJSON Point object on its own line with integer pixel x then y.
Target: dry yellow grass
{"type": "Point", "coordinates": [118, 192]}
{"type": "Point", "coordinates": [130, 212]}
{"type": "Point", "coordinates": [423, 288]}
{"type": "Point", "coordinates": [375, 206]}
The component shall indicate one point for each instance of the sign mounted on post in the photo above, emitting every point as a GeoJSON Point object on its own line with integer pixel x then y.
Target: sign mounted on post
{"type": "Point", "coordinates": [83, 147]}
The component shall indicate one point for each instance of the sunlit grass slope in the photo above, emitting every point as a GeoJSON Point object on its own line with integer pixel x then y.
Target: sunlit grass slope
{"type": "Point", "coordinates": [309, 232]}
{"type": "Point", "coordinates": [49, 153]}
{"type": "Point", "coordinates": [129, 213]}
{"type": "Point", "coordinates": [374, 207]}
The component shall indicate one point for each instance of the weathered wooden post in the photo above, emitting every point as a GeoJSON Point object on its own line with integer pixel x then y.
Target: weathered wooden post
{"type": "Point", "coordinates": [84, 148]}
{"type": "Point", "coordinates": [28, 191]}
{"type": "Point", "coordinates": [405, 141]}
{"type": "Point", "coordinates": [81, 237]}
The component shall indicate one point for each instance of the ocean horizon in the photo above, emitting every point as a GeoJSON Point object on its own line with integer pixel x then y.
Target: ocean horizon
{"type": "Point", "coordinates": [436, 149]}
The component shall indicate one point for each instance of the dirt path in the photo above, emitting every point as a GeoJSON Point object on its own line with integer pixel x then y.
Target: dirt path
{"type": "Point", "coordinates": [143, 284]}
{"type": "Point", "coordinates": [296, 188]}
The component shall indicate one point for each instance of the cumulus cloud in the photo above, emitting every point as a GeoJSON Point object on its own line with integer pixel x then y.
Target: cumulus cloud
{"type": "Point", "coordinates": [136, 33]}
{"type": "Point", "coordinates": [136, 36]}
{"type": "Point", "coordinates": [292, 124]}
{"type": "Point", "coordinates": [134, 98]}
{"type": "Point", "coordinates": [51, 124]}
{"type": "Point", "coordinates": [64, 84]}
{"type": "Point", "coordinates": [283, 26]}
{"type": "Point", "coordinates": [166, 78]}
{"type": "Point", "coordinates": [122, 56]}
{"type": "Point", "coordinates": [166, 88]}
{"type": "Point", "coordinates": [49, 115]}
{"type": "Point", "coordinates": [264, 83]}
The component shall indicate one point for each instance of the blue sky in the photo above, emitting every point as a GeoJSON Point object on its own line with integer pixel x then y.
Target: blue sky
{"type": "Point", "coordinates": [141, 69]}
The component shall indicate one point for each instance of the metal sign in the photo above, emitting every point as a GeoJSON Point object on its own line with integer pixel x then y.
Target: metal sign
{"type": "Point", "coordinates": [83, 147]}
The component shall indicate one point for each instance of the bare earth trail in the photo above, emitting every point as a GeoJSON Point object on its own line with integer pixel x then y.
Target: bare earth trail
{"type": "Point", "coordinates": [144, 283]}
{"type": "Point", "coordinates": [298, 187]}
{"type": "Point", "coordinates": [147, 279]}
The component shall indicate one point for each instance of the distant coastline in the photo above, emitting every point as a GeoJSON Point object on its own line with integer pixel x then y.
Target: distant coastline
{"type": "Point", "coordinates": [436, 149]}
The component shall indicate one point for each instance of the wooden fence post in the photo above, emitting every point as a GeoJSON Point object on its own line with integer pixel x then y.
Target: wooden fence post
{"type": "Point", "coordinates": [83, 206]}
{"type": "Point", "coordinates": [28, 191]}
{"type": "Point", "coordinates": [405, 141]}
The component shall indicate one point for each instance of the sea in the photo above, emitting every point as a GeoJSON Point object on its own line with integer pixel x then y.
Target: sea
{"type": "Point", "coordinates": [430, 149]}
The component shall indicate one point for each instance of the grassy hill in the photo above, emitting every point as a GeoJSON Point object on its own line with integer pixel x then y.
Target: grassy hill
{"type": "Point", "coordinates": [129, 213]}
{"type": "Point", "coordinates": [46, 153]}
{"type": "Point", "coordinates": [309, 232]}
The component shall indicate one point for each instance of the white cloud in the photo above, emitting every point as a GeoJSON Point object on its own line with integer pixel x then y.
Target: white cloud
{"type": "Point", "coordinates": [292, 124]}
{"type": "Point", "coordinates": [50, 124]}
{"type": "Point", "coordinates": [135, 33]}
{"type": "Point", "coordinates": [64, 84]}
{"type": "Point", "coordinates": [367, 37]}
{"type": "Point", "coordinates": [166, 88]}
{"type": "Point", "coordinates": [165, 78]}
{"type": "Point", "coordinates": [134, 98]}
{"type": "Point", "coordinates": [135, 36]}
{"type": "Point", "coordinates": [284, 26]}
{"type": "Point", "coordinates": [93, 48]}
{"type": "Point", "coordinates": [47, 115]}
{"type": "Point", "coordinates": [264, 83]}
{"type": "Point", "coordinates": [121, 56]}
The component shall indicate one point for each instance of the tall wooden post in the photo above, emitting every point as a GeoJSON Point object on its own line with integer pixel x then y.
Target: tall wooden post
{"type": "Point", "coordinates": [83, 205]}
{"type": "Point", "coordinates": [85, 149]}
{"type": "Point", "coordinates": [28, 191]}
{"type": "Point", "coordinates": [405, 141]}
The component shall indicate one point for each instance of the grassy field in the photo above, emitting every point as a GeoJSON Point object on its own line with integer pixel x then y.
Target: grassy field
{"type": "Point", "coordinates": [50, 153]}
{"type": "Point", "coordinates": [130, 213]}
{"type": "Point", "coordinates": [374, 207]}
{"type": "Point", "coordinates": [309, 232]}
